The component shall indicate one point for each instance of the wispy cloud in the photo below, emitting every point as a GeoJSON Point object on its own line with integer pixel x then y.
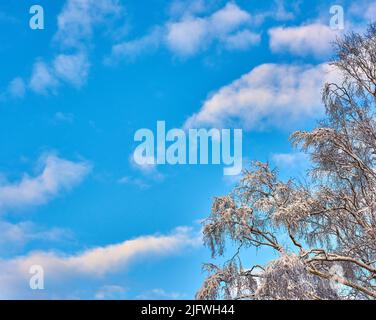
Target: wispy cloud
{"type": "Point", "coordinates": [14, 236]}
{"type": "Point", "coordinates": [70, 64]}
{"type": "Point", "coordinates": [110, 292]}
{"type": "Point", "coordinates": [138, 182]}
{"type": "Point", "coordinates": [43, 80]}
{"type": "Point", "coordinates": [56, 176]}
{"type": "Point", "coordinates": [191, 32]}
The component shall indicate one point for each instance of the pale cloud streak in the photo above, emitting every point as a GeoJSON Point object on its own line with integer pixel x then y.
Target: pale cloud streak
{"type": "Point", "coordinates": [93, 263]}
{"type": "Point", "coordinates": [57, 175]}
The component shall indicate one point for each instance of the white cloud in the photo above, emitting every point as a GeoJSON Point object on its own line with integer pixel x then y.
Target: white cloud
{"type": "Point", "coordinates": [313, 39]}
{"type": "Point", "coordinates": [188, 36]}
{"type": "Point", "coordinates": [192, 33]}
{"type": "Point", "coordinates": [93, 263]}
{"type": "Point", "coordinates": [228, 19]}
{"type": "Point", "coordinates": [269, 95]}
{"type": "Point", "coordinates": [57, 175]}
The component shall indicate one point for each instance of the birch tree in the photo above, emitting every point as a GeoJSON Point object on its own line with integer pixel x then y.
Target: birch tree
{"type": "Point", "coordinates": [322, 232]}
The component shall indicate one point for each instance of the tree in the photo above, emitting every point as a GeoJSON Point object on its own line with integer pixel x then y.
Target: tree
{"type": "Point", "coordinates": [324, 230]}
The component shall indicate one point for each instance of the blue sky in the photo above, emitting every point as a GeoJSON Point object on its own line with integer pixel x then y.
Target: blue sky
{"type": "Point", "coordinates": [73, 95]}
